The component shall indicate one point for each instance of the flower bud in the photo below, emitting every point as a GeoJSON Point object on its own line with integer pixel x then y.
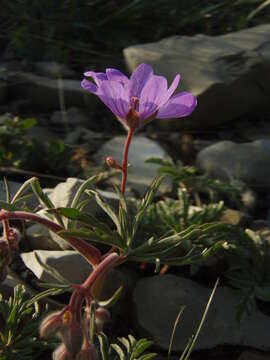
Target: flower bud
{"type": "Point", "coordinates": [61, 353]}
{"type": "Point", "coordinates": [112, 163]}
{"type": "Point", "coordinates": [13, 237]}
{"type": "Point", "coordinates": [102, 316]}
{"type": "Point", "coordinates": [72, 336]}
{"type": "Point", "coordinates": [50, 324]}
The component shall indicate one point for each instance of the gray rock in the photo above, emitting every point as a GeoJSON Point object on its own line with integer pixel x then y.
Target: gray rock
{"type": "Point", "coordinates": [41, 134]}
{"type": "Point", "coordinates": [81, 134]}
{"type": "Point", "coordinates": [53, 69]}
{"type": "Point", "coordinates": [45, 93]}
{"type": "Point", "coordinates": [140, 174]}
{"type": "Point", "coordinates": [159, 299]}
{"type": "Point", "coordinates": [125, 277]}
{"type": "Point", "coordinates": [39, 238]}
{"type": "Point", "coordinates": [62, 196]}
{"type": "Point", "coordinates": [229, 73]}
{"type": "Point", "coordinates": [7, 286]}
{"type": "Point", "coordinates": [72, 116]}
{"type": "Point", "coordinates": [248, 162]}
{"type": "Point", "coordinates": [69, 263]}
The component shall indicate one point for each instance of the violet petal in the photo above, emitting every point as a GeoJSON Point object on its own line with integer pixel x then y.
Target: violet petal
{"type": "Point", "coordinates": [116, 75]}
{"type": "Point", "coordinates": [139, 78]}
{"type": "Point", "coordinates": [178, 106]}
{"type": "Point", "coordinates": [114, 95]}
{"type": "Point", "coordinates": [152, 96]}
{"type": "Point", "coordinates": [89, 86]}
{"type": "Point", "coordinates": [97, 76]}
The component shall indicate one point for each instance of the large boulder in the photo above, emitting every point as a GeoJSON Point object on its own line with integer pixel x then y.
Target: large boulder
{"type": "Point", "coordinates": [49, 94]}
{"type": "Point", "coordinates": [159, 299]}
{"type": "Point", "coordinates": [229, 73]}
{"type": "Point", "coordinates": [249, 162]}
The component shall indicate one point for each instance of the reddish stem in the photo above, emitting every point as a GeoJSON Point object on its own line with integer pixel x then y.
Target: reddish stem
{"type": "Point", "coordinates": [89, 252]}
{"type": "Point", "coordinates": [125, 159]}
{"type": "Point", "coordinates": [84, 289]}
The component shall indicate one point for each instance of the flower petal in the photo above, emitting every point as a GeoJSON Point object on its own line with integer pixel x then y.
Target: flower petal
{"type": "Point", "coordinates": [173, 86]}
{"type": "Point", "coordinates": [97, 76]}
{"type": "Point", "coordinates": [139, 78]}
{"type": "Point", "coordinates": [152, 96]}
{"type": "Point", "coordinates": [89, 86]}
{"type": "Point", "coordinates": [114, 95]}
{"type": "Point", "coordinates": [178, 106]}
{"type": "Point", "coordinates": [116, 75]}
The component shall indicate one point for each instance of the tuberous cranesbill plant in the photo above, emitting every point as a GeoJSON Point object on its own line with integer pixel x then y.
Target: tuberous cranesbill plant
{"type": "Point", "coordinates": [135, 102]}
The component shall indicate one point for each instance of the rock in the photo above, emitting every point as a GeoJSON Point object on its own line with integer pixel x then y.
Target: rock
{"type": "Point", "coordinates": [53, 69]}
{"type": "Point", "coordinates": [46, 94]}
{"type": "Point", "coordinates": [41, 134]}
{"type": "Point", "coordinates": [123, 276]}
{"type": "Point", "coordinates": [62, 196]}
{"type": "Point", "coordinates": [39, 238]}
{"type": "Point", "coordinates": [236, 217]}
{"type": "Point", "coordinates": [69, 264]}
{"type": "Point", "coordinates": [229, 73]}
{"type": "Point", "coordinates": [262, 228]}
{"type": "Point", "coordinates": [81, 135]}
{"type": "Point", "coordinates": [7, 286]}
{"type": "Point", "coordinates": [248, 162]}
{"type": "Point", "coordinates": [73, 116]}
{"type": "Point", "coordinates": [159, 299]}
{"type": "Point", "coordinates": [254, 355]}
{"type": "Point", "coordinates": [140, 174]}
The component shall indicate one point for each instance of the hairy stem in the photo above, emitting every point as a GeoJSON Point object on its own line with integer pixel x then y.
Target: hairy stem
{"type": "Point", "coordinates": [89, 252]}
{"type": "Point", "coordinates": [125, 160]}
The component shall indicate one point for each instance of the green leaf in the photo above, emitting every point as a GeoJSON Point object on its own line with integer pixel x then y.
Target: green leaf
{"type": "Point", "coordinates": [110, 302]}
{"type": "Point", "coordinates": [119, 351]}
{"type": "Point", "coordinates": [141, 346]}
{"type": "Point", "coordinates": [107, 209]}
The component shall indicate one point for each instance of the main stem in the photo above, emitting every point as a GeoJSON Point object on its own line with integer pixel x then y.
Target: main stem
{"type": "Point", "coordinates": [125, 160]}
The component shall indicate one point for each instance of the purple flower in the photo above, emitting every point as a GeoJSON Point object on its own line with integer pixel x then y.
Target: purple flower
{"type": "Point", "coordinates": [141, 98]}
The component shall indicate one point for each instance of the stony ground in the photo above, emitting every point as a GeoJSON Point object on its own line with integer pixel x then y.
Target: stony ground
{"type": "Point", "coordinates": [228, 137]}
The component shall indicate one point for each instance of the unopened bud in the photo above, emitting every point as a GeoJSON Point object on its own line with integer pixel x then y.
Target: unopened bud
{"type": "Point", "coordinates": [50, 325]}
{"type": "Point", "coordinates": [112, 163]}
{"type": "Point", "coordinates": [102, 316]}
{"type": "Point", "coordinates": [61, 353]}
{"type": "Point", "coordinates": [13, 237]}
{"type": "Point", "coordinates": [88, 351]}
{"type": "Point", "coordinates": [72, 336]}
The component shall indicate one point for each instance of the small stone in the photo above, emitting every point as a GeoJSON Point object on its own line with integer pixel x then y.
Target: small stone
{"type": "Point", "coordinates": [69, 264]}
{"type": "Point", "coordinates": [39, 238]}
{"type": "Point", "coordinates": [248, 162]}
{"type": "Point", "coordinates": [236, 217]}
{"type": "Point", "coordinates": [62, 196]}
